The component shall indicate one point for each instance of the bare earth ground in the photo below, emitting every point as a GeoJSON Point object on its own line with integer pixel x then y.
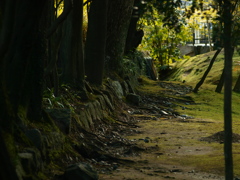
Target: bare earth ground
{"type": "Point", "coordinates": [167, 145]}
{"type": "Point", "coordinates": [155, 162]}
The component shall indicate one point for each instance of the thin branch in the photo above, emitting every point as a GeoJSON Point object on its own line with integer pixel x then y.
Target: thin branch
{"type": "Point", "coordinates": [61, 18]}
{"type": "Point", "coordinates": [87, 2]}
{"type": "Point", "coordinates": [59, 3]}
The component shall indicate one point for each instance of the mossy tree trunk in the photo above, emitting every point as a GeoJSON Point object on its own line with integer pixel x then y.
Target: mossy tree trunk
{"type": "Point", "coordinates": [95, 49]}
{"type": "Point", "coordinates": [119, 16]}
{"type": "Point", "coordinates": [22, 53]}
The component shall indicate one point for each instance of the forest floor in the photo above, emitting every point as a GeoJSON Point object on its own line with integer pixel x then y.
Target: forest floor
{"type": "Point", "coordinates": [158, 143]}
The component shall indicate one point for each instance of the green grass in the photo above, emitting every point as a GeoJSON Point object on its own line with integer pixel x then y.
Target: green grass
{"type": "Point", "coordinates": [209, 107]}
{"type": "Point", "coordinates": [209, 104]}
{"type": "Point", "coordinates": [192, 69]}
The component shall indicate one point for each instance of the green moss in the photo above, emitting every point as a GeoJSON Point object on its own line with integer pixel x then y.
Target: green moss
{"type": "Point", "coordinates": [109, 119]}
{"type": "Point", "coordinates": [10, 146]}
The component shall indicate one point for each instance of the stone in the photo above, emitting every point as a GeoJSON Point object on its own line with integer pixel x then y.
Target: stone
{"type": "Point", "coordinates": [62, 118]}
{"type": "Point", "coordinates": [102, 102]}
{"type": "Point", "coordinates": [52, 141]}
{"type": "Point", "coordinates": [133, 98]}
{"type": "Point", "coordinates": [37, 159]}
{"type": "Point", "coordinates": [84, 119]}
{"type": "Point", "coordinates": [108, 95]}
{"type": "Point", "coordinates": [91, 110]}
{"type": "Point", "coordinates": [30, 162]}
{"type": "Point", "coordinates": [125, 88]}
{"type": "Point", "coordinates": [27, 162]}
{"type": "Point", "coordinates": [81, 171]}
{"type": "Point", "coordinates": [131, 90]}
{"type": "Point", "coordinates": [98, 109]}
{"type": "Point", "coordinates": [118, 89]}
{"type": "Point", "coordinates": [108, 102]}
{"type": "Point", "coordinates": [35, 136]}
{"type": "Point", "coordinates": [89, 117]}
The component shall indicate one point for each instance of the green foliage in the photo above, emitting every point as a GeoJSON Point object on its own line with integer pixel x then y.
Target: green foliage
{"type": "Point", "coordinates": [161, 40]}
{"type": "Point", "coordinates": [69, 98]}
{"type": "Point", "coordinates": [50, 100]}
{"type": "Point", "coordinates": [133, 63]}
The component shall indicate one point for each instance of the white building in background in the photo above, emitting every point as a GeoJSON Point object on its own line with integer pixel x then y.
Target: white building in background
{"type": "Point", "coordinates": [201, 23]}
{"type": "Point", "coordinates": [202, 32]}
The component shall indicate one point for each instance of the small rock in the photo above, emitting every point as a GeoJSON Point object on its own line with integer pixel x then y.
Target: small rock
{"type": "Point", "coordinates": [35, 137]}
{"type": "Point", "coordinates": [81, 171]}
{"type": "Point", "coordinates": [163, 112]}
{"type": "Point", "coordinates": [133, 98]}
{"type": "Point", "coordinates": [146, 140]}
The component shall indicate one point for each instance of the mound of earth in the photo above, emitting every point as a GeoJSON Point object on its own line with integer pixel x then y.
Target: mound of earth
{"type": "Point", "coordinates": [219, 137]}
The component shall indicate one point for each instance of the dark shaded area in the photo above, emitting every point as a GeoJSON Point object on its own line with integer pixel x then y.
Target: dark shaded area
{"type": "Point", "coordinates": [7, 170]}
{"type": "Point", "coordinates": [219, 138]}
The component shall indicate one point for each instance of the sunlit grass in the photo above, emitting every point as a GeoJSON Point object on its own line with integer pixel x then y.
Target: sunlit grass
{"type": "Point", "coordinates": [207, 106]}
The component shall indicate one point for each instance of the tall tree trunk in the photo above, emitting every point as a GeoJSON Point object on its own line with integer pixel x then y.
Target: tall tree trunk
{"type": "Point", "coordinates": [50, 72]}
{"type": "Point", "coordinates": [22, 54]}
{"type": "Point", "coordinates": [72, 47]}
{"type": "Point", "coordinates": [119, 16]}
{"type": "Point", "coordinates": [95, 49]}
{"type": "Point", "coordinates": [227, 19]}
{"type": "Point", "coordinates": [207, 71]}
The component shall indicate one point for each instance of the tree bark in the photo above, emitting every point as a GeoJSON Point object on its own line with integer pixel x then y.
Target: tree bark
{"type": "Point", "coordinates": [95, 50]}
{"type": "Point", "coordinates": [22, 61]}
{"type": "Point", "coordinates": [72, 47]}
{"type": "Point", "coordinates": [61, 18]}
{"type": "Point", "coordinates": [228, 49]}
{"type": "Point", "coordinates": [50, 70]}
{"type": "Point", "coordinates": [77, 43]}
{"type": "Point", "coordinates": [206, 72]}
{"type": "Point", "coordinates": [119, 16]}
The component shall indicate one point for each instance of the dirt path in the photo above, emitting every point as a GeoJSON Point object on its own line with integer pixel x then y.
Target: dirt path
{"type": "Point", "coordinates": [168, 146]}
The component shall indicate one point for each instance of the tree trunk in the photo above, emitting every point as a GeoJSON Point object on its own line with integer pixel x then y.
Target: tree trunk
{"type": "Point", "coordinates": [228, 49]}
{"type": "Point", "coordinates": [96, 42]}
{"type": "Point", "coordinates": [220, 83]}
{"type": "Point", "coordinates": [22, 53]}
{"type": "Point", "coordinates": [72, 47]}
{"type": "Point", "coordinates": [50, 72]}
{"type": "Point", "coordinates": [237, 85]}
{"type": "Point", "coordinates": [119, 16]}
{"type": "Point", "coordinates": [134, 36]}
{"type": "Point", "coordinates": [206, 72]}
